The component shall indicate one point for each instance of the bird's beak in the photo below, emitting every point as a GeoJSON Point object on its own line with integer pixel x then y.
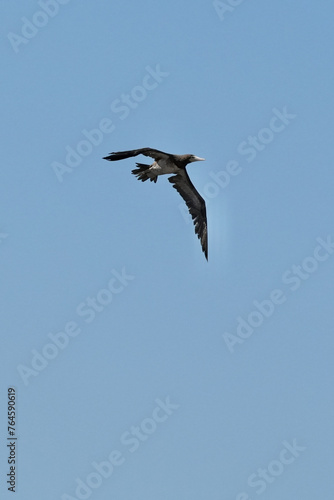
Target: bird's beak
{"type": "Point", "coordinates": [197, 158]}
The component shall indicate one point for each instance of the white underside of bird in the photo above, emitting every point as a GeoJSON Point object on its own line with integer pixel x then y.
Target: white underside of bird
{"type": "Point", "coordinates": [161, 168]}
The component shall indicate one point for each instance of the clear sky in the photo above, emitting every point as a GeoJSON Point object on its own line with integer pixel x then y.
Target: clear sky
{"type": "Point", "coordinates": [142, 371]}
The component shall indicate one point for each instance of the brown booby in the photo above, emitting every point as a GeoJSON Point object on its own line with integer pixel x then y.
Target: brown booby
{"type": "Point", "coordinates": [165, 163]}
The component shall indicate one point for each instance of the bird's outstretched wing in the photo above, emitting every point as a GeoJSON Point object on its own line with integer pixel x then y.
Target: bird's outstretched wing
{"type": "Point", "coordinates": [196, 205]}
{"type": "Point", "coordinates": [153, 153]}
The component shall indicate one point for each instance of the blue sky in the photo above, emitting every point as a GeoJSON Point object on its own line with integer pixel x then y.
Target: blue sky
{"type": "Point", "coordinates": [141, 370]}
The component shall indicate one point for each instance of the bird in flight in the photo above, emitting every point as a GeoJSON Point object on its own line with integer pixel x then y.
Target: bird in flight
{"type": "Point", "coordinates": [165, 163]}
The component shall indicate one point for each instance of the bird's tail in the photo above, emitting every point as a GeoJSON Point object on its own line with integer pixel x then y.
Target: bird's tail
{"type": "Point", "coordinates": [141, 173]}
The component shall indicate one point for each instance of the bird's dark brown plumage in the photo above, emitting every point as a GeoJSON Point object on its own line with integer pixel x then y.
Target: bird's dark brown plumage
{"type": "Point", "coordinates": [172, 164]}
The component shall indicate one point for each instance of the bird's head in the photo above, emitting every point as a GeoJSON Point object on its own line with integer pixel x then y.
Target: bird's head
{"type": "Point", "coordinates": [195, 158]}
